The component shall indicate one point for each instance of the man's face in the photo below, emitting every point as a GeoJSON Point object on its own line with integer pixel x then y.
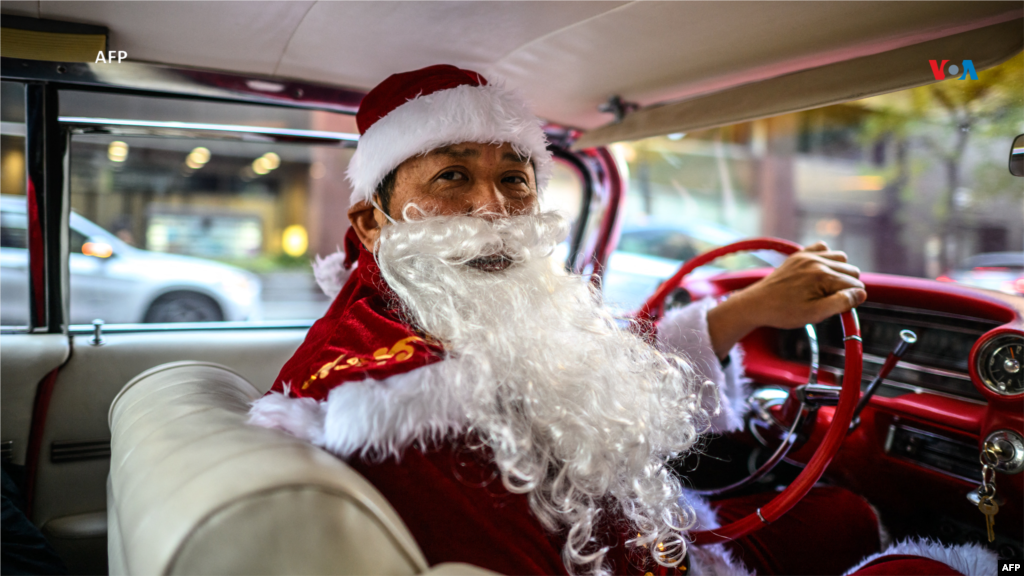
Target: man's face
{"type": "Point", "coordinates": [467, 178]}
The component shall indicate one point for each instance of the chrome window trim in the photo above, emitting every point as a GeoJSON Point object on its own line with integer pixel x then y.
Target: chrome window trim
{"type": "Point", "coordinates": [149, 79]}
{"type": "Point", "coordinates": [121, 127]}
{"type": "Point", "coordinates": [87, 329]}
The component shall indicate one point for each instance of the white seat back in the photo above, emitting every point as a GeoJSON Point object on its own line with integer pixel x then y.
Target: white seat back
{"type": "Point", "coordinates": [193, 489]}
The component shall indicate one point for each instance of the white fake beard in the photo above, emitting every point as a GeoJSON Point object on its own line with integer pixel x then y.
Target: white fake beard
{"type": "Point", "coordinates": [580, 414]}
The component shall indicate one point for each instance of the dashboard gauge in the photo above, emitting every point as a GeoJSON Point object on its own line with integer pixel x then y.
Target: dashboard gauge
{"type": "Point", "coordinates": [1000, 363]}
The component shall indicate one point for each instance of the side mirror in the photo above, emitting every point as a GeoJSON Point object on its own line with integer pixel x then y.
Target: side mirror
{"type": "Point", "coordinates": [98, 248]}
{"type": "Point", "coordinates": [1017, 156]}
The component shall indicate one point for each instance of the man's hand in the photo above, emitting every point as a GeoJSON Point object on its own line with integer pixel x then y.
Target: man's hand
{"type": "Point", "coordinates": [808, 287]}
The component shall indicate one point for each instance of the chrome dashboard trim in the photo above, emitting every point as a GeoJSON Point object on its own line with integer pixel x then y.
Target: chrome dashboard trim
{"type": "Point", "coordinates": [919, 390]}
{"type": "Point", "coordinates": [898, 425]}
{"type": "Point", "coordinates": [907, 365]}
{"type": "Point", "coordinates": [923, 311]}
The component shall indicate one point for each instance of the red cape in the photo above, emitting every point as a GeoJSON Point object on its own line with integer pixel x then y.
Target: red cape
{"type": "Point", "coordinates": [362, 336]}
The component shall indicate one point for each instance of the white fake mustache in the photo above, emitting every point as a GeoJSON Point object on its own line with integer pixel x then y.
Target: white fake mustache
{"type": "Point", "coordinates": [476, 240]}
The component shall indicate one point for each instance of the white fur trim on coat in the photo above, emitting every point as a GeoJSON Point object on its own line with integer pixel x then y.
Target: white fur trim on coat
{"type": "Point", "coordinates": [967, 559]}
{"type": "Point", "coordinates": [384, 417]}
{"type": "Point", "coordinates": [374, 418]}
{"type": "Point", "coordinates": [300, 417]}
{"type": "Point", "coordinates": [381, 418]}
{"type": "Point", "coordinates": [711, 559]}
{"type": "Point", "coordinates": [488, 114]}
{"type": "Point", "coordinates": [330, 273]}
{"type": "Point", "coordinates": [685, 332]}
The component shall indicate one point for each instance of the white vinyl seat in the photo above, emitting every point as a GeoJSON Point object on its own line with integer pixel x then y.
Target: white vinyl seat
{"type": "Point", "coordinates": [194, 489]}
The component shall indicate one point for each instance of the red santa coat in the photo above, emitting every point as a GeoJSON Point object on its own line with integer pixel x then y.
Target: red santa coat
{"type": "Point", "coordinates": [353, 387]}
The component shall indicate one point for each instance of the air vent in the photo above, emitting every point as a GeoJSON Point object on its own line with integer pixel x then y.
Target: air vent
{"type": "Point", "coordinates": [6, 450]}
{"type": "Point", "coordinates": [61, 452]}
{"type": "Point", "coordinates": [952, 456]}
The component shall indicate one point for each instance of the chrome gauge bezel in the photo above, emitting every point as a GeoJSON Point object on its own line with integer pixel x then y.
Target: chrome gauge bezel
{"type": "Point", "coordinates": [988, 348]}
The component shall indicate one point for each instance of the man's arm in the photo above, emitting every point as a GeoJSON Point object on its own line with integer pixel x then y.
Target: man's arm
{"type": "Point", "coordinates": [684, 331]}
{"type": "Point", "coordinates": [808, 287]}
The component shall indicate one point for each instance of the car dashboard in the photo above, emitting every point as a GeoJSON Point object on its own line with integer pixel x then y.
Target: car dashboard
{"type": "Point", "coordinates": [915, 454]}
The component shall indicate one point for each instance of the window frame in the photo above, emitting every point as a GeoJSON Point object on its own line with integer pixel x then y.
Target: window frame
{"type": "Point", "coordinates": [48, 147]}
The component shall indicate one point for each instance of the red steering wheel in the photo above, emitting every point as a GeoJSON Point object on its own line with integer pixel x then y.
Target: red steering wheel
{"type": "Point", "coordinates": [850, 394]}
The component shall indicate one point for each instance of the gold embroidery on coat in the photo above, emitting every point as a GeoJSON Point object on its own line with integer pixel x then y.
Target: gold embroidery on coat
{"type": "Point", "coordinates": [399, 352]}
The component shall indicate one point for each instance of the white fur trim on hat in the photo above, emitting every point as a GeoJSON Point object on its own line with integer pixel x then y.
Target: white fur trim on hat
{"type": "Point", "coordinates": [488, 114]}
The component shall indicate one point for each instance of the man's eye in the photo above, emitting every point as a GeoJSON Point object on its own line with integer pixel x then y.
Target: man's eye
{"type": "Point", "coordinates": [515, 180]}
{"type": "Point", "coordinates": [452, 175]}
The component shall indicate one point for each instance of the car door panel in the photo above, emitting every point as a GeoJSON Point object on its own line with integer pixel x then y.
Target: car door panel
{"type": "Point", "coordinates": [71, 482]}
{"type": "Point", "coordinates": [27, 359]}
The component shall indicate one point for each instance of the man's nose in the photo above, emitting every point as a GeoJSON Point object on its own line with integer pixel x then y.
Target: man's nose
{"type": "Point", "coordinates": [487, 201]}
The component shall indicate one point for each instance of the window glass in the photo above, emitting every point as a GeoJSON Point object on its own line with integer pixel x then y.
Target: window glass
{"type": "Point", "coordinates": [201, 230]}
{"type": "Point", "coordinates": [13, 233]}
{"type": "Point", "coordinates": [564, 194]}
{"type": "Point", "coordinates": [913, 183]}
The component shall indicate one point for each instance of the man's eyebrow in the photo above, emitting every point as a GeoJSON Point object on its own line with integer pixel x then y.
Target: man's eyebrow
{"type": "Point", "coordinates": [452, 152]}
{"type": "Point", "coordinates": [515, 157]}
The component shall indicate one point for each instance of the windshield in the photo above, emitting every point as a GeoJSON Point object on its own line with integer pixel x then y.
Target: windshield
{"type": "Point", "coordinates": [913, 183]}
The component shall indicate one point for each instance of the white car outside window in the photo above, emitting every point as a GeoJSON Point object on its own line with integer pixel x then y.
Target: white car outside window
{"type": "Point", "coordinates": [118, 283]}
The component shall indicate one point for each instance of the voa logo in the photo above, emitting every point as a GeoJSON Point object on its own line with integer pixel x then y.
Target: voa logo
{"type": "Point", "coordinates": [966, 67]}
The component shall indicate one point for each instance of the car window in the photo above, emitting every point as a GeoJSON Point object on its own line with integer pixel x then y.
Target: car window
{"type": "Point", "coordinates": [680, 247]}
{"type": "Point", "coordinates": [637, 242]}
{"type": "Point", "coordinates": [910, 183]}
{"type": "Point", "coordinates": [13, 230]}
{"type": "Point", "coordinates": [185, 228]}
{"type": "Point", "coordinates": [14, 304]}
{"type": "Point", "coordinates": [1000, 261]}
{"type": "Point", "coordinates": [564, 194]}
{"type": "Point", "coordinates": [193, 229]}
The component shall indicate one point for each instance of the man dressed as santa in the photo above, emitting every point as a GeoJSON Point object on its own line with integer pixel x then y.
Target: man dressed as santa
{"type": "Point", "coordinates": [487, 394]}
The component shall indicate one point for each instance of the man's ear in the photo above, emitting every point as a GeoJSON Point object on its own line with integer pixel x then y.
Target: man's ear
{"type": "Point", "coordinates": [364, 221]}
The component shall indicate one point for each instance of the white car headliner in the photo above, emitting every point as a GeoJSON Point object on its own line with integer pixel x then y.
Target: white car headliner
{"type": "Point", "coordinates": [567, 58]}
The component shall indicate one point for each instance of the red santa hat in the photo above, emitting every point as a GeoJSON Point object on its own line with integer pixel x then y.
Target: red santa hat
{"type": "Point", "coordinates": [412, 113]}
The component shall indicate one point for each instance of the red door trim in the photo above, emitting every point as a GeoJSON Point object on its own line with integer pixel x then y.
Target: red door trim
{"type": "Point", "coordinates": [44, 393]}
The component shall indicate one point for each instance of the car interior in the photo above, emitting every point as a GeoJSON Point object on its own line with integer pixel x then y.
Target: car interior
{"type": "Point", "coordinates": [129, 439]}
